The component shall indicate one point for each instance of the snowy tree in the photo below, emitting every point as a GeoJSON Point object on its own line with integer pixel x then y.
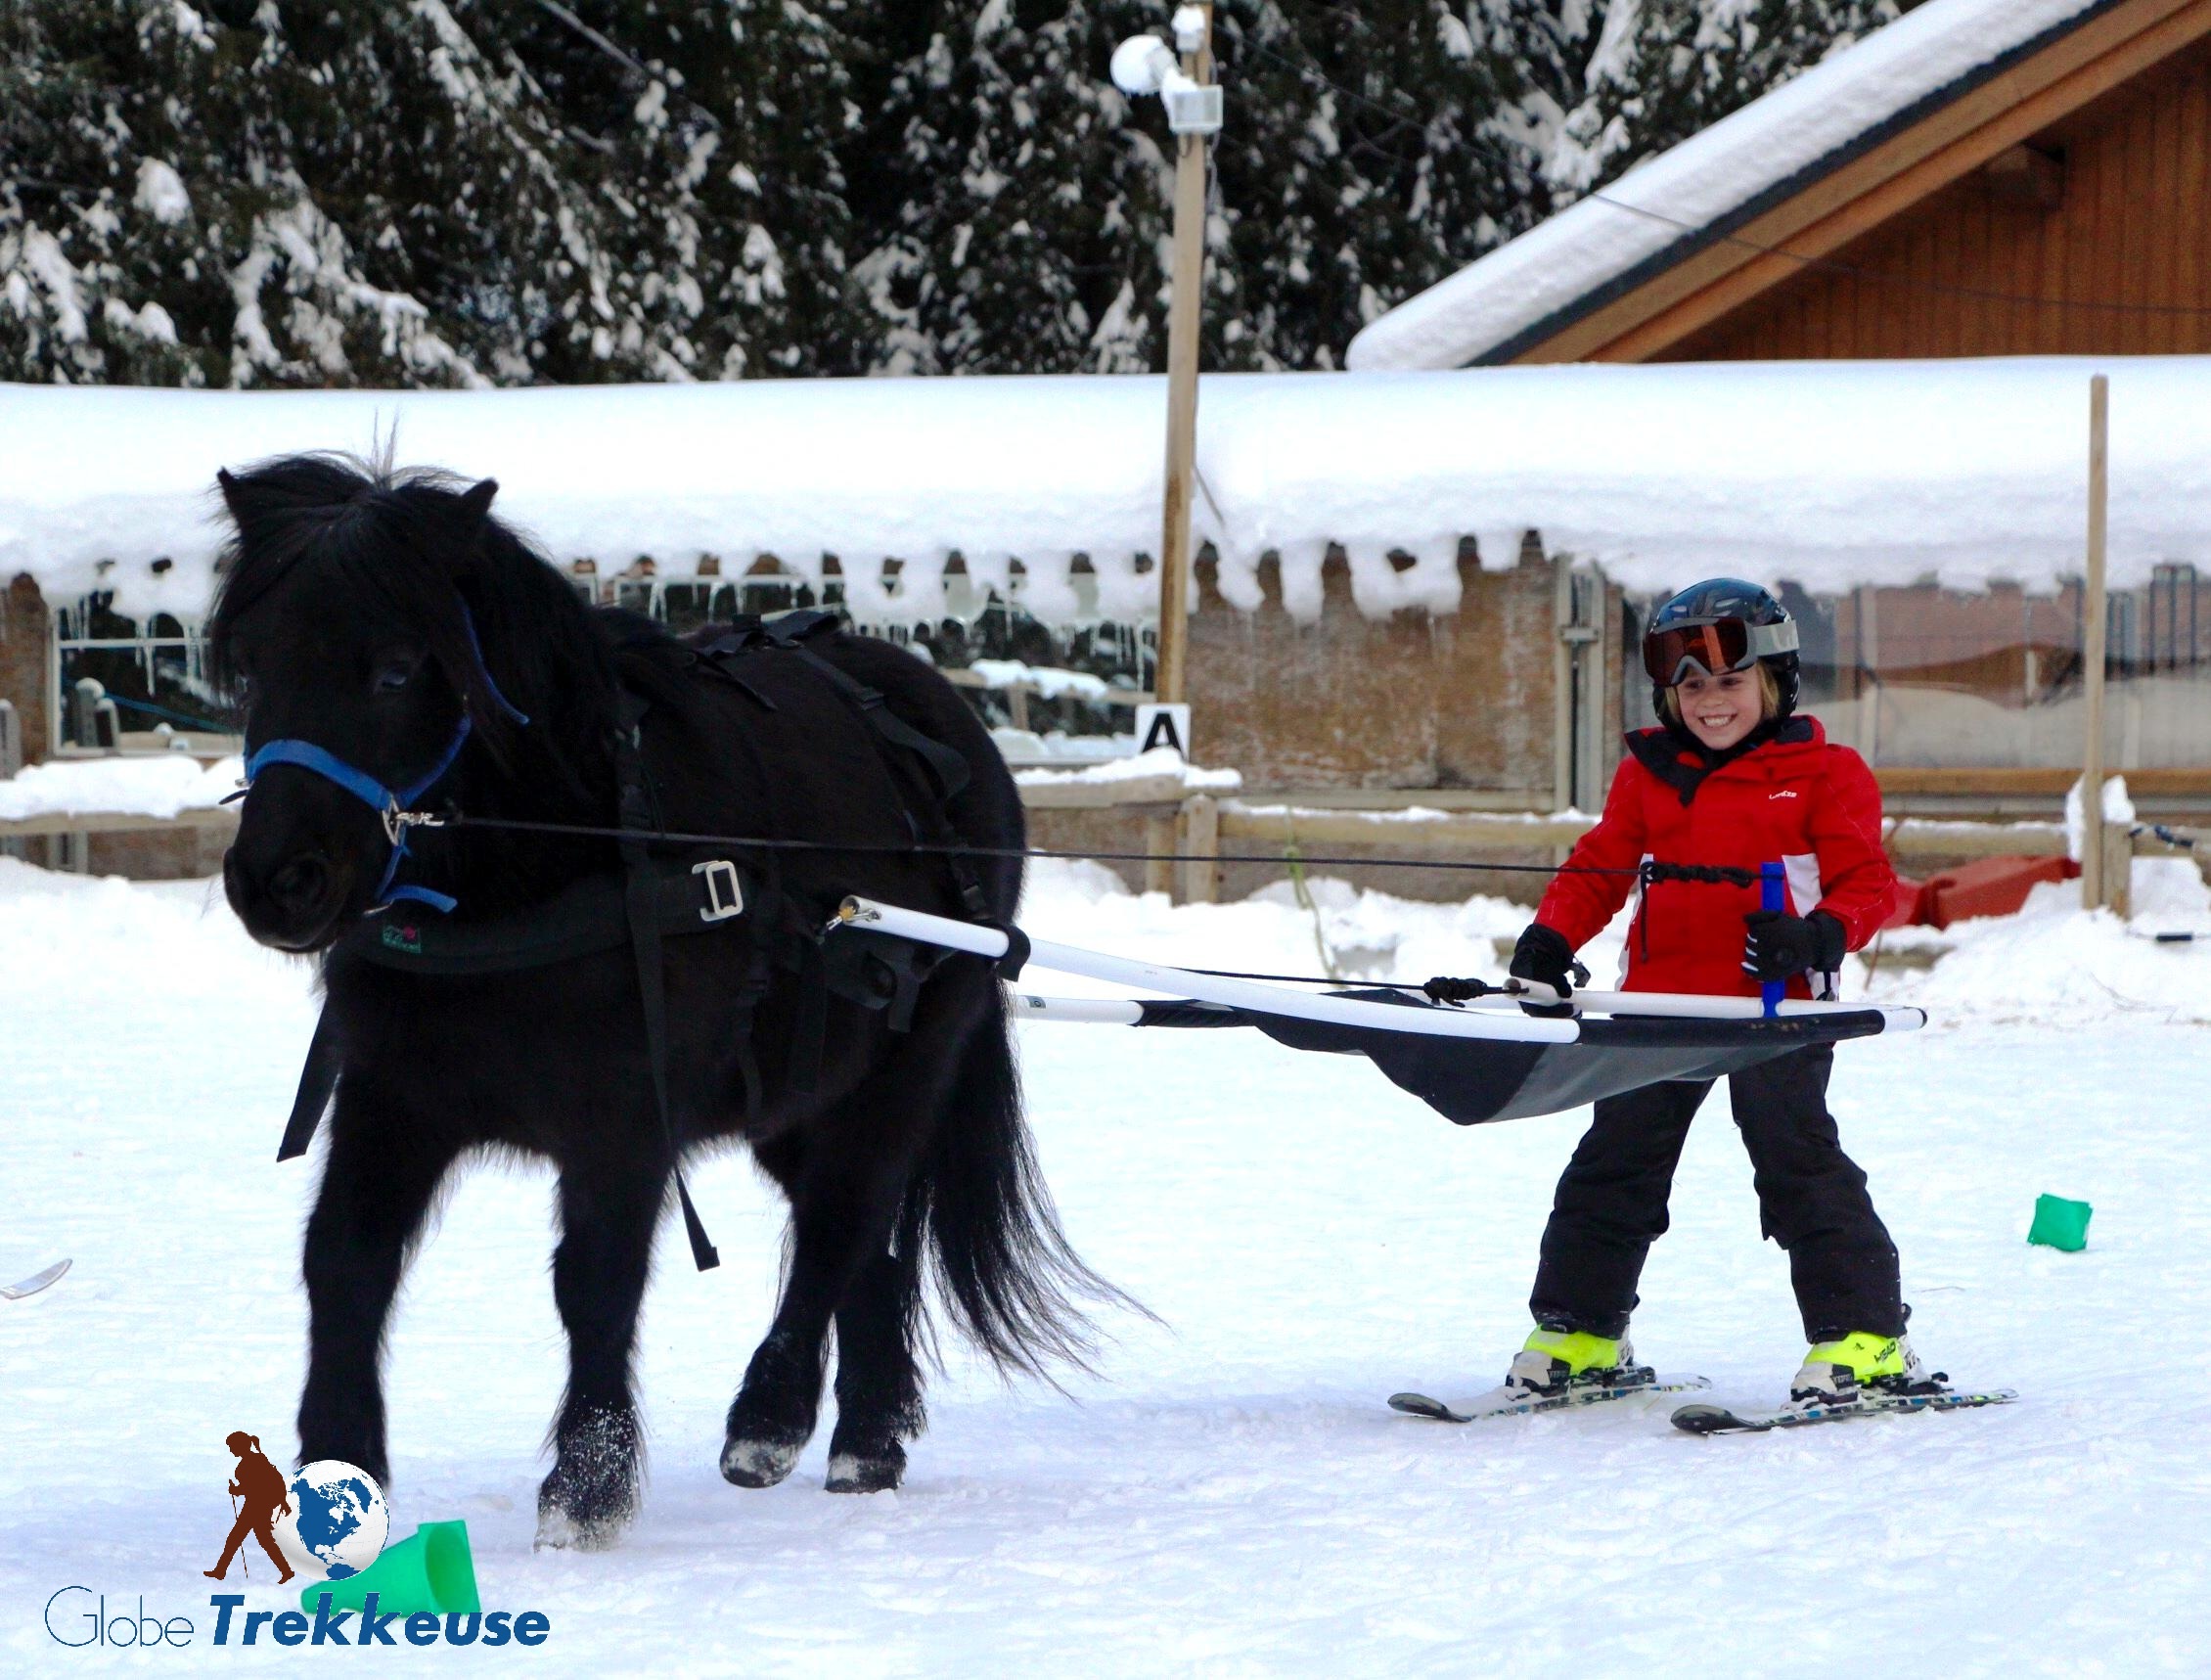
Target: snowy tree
{"type": "Point", "coordinates": [464, 192]}
{"type": "Point", "coordinates": [712, 130]}
{"type": "Point", "coordinates": [1370, 150]}
{"type": "Point", "coordinates": [1363, 160]}
{"type": "Point", "coordinates": [1656, 71]}
{"type": "Point", "coordinates": [1023, 214]}
{"type": "Point", "coordinates": [300, 195]}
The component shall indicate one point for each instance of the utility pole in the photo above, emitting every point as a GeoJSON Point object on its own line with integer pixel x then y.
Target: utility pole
{"type": "Point", "coordinates": [1143, 63]}
{"type": "Point", "coordinates": [2095, 607]}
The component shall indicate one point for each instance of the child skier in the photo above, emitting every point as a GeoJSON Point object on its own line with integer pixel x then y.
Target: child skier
{"type": "Point", "coordinates": [1732, 777]}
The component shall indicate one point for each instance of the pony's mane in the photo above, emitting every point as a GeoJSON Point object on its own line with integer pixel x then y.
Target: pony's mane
{"type": "Point", "coordinates": [424, 543]}
{"type": "Point", "coordinates": [401, 535]}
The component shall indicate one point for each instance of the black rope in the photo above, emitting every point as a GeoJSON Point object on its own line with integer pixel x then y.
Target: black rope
{"type": "Point", "coordinates": [1701, 873]}
{"type": "Point", "coordinates": [669, 837]}
{"type": "Point", "coordinates": [2170, 836]}
{"type": "Point", "coordinates": [1324, 979]}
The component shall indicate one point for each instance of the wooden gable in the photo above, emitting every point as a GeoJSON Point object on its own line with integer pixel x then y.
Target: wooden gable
{"type": "Point", "coordinates": [2081, 173]}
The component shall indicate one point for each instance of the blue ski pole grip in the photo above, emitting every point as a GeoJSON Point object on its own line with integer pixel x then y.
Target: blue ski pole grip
{"type": "Point", "coordinates": [1773, 894]}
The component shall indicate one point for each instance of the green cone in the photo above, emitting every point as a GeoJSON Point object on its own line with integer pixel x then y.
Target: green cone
{"type": "Point", "coordinates": [2061, 1224]}
{"type": "Point", "coordinates": [431, 1570]}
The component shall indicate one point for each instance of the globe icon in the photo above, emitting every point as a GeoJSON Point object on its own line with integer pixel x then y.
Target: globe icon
{"type": "Point", "coordinates": [337, 1521]}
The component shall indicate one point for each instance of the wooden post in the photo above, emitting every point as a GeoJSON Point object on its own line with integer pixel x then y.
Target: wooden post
{"type": "Point", "coordinates": [1197, 834]}
{"type": "Point", "coordinates": [1183, 320]}
{"type": "Point", "coordinates": [2093, 607]}
{"type": "Point", "coordinates": [1158, 840]}
{"type": "Point", "coordinates": [2119, 870]}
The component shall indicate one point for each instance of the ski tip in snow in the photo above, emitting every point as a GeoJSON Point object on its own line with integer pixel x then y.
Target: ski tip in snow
{"type": "Point", "coordinates": [1709, 1420]}
{"type": "Point", "coordinates": [1424, 1406]}
{"type": "Point", "coordinates": [1517, 1402]}
{"type": "Point", "coordinates": [37, 1281]}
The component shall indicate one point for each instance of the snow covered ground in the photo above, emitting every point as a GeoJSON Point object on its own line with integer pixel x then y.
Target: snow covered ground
{"type": "Point", "coordinates": [1230, 1496]}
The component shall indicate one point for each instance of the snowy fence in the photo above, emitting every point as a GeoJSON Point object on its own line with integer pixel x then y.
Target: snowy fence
{"type": "Point", "coordinates": [1193, 833]}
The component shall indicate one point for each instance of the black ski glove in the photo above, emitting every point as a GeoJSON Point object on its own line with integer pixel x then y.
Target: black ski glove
{"type": "Point", "coordinates": [1543, 954]}
{"type": "Point", "coordinates": [1778, 945]}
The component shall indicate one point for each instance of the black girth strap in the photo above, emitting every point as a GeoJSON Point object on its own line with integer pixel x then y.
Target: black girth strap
{"type": "Point", "coordinates": [588, 916]}
{"type": "Point", "coordinates": [637, 814]}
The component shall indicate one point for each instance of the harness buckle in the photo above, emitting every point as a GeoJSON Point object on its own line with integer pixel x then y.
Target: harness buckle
{"type": "Point", "coordinates": [397, 822]}
{"type": "Point", "coordinates": [725, 892]}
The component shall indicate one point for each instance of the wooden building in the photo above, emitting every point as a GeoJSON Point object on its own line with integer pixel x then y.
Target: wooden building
{"type": "Point", "coordinates": [2052, 197]}
{"type": "Point", "coordinates": [2056, 203]}
{"type": "Point", "coordinates": [1983, 178]}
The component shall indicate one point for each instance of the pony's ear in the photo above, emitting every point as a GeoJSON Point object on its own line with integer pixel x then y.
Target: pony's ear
{"type": "Point", "coordinates": [230, 493]}
{"type": "Point", "coordinates": [476, 502]}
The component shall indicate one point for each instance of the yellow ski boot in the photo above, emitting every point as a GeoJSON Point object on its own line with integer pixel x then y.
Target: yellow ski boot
{"type": "Point", "coordinates": [1836, 1373]}
{"type": "Point", "coordinates": [1559, 1361]}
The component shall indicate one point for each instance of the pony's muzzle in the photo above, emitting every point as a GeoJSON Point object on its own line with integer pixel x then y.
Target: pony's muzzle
{"type": "Point", "coordinates": [293, 906]}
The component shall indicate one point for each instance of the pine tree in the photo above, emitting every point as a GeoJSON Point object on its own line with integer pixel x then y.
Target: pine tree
{"type": "Point", "coordinates": [711, 131]}
{"type": "Point", "coordinates": [1657, 71]}
{"type": "Point", "coordinates": [1023, 214]}
{"type": "Point", "coordinates": [459, 192]}
{"type": "Point", "coordinates": [1362, 160]}
{"type": "Point", "coordinates": [302, 194]}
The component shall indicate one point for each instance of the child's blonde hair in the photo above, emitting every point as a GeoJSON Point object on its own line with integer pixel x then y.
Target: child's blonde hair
{"type": "Point", "coordinates": [1769, 696]}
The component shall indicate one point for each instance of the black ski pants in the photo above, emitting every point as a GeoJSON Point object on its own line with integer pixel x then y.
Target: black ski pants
{"type": "Point", "coordinates": [1812, 1200]}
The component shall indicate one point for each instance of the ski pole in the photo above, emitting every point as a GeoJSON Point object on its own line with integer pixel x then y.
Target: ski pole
{"type": "Point", "coordinates": [244, 1562]}
{"type": "Point", "coordinates": [1773, 894]}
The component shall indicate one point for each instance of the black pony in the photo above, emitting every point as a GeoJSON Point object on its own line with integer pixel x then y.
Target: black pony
{"type": "Point", "coordinates": [375, 626]}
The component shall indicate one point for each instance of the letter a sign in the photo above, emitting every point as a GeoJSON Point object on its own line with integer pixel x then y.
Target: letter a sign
{"type": "Point", "coordinates": [1166, 726]}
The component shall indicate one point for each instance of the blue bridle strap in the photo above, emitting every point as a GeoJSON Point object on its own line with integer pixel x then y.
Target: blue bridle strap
{"type": "Point", "coordinates": [308, 757]}
{"type": "Point", "coordinates": [394, 805]}
{"type": "Point", "coordinates": [468, 624]}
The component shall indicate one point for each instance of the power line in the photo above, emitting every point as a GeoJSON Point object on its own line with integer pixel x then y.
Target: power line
{"type": "Point", "coordinates": [1312, 72]}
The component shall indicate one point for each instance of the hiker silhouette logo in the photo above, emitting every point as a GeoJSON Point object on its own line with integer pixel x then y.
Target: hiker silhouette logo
{"type": "Point", "coordinates": [327, 1520]}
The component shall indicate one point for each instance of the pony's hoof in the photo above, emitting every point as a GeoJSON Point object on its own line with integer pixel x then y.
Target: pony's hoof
{"type": "Point", "coordinates": [758, 1463]}
{"type": "Point", "coordinates": [563, 1530]}
{"type": "Point", "coordinates": [848, 1473]}
{"type": "Point", "coordinates": [592, 1493]}
{"type": "Point", "coordinates": [559, 1532]}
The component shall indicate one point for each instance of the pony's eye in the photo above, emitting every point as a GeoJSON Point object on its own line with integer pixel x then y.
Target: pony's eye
{"type": "Point", "coordinates": [394, 675]}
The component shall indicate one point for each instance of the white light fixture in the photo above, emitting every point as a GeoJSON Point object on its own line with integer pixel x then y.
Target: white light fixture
{"type": "Point", "coordinates": [1141, 64]}
{"type": "Point", "coordinates": [1144, 63]}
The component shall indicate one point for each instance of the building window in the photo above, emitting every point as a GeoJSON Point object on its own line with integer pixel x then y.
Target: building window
{"type": "Point", "coordinates": [1923, 678]}
{"type": "Point", "coordinates": [134, 685]}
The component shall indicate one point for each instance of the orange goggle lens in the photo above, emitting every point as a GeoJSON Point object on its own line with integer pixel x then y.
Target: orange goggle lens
{"type": "Point", "coordinates": [1711, 648]}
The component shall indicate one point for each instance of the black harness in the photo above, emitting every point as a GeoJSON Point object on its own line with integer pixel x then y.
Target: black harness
{"type": "Point", "coordinates": [656, 899]}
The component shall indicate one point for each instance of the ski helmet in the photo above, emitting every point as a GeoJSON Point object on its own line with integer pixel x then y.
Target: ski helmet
{"type": "Point", "coordinates": [1722, 624]}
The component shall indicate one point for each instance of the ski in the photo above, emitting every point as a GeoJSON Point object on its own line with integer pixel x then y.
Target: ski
{"type": "Point", "coordinates": [1510, 1402]}
{"type": "Point", "coordinates": [37, 1281]}
{"type": "Point", "coordinates": [1703, 1420]}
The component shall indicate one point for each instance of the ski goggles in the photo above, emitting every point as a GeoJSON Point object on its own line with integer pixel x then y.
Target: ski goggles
{"type": "Point", "coordinates": [1707, 648]}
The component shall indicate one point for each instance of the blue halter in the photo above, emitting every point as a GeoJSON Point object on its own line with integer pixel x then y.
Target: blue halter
{"type": "Point", "coordinates": [394, 805]}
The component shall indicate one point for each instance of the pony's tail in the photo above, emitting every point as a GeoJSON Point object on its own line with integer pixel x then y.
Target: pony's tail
{"type": "Point", "coordinates": [1002, 1263]}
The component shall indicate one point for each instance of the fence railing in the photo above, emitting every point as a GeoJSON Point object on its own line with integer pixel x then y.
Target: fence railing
{"type": "Point", "coordinates": [1200, 828]}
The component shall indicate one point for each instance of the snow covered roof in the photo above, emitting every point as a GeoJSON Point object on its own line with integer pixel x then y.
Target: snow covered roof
{"type": "Point", "coordinates": [1832, 473]}
{"type": "Point", "coordinates": [1712, 182]}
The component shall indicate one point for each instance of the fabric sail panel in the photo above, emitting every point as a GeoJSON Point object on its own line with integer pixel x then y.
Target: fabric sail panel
{"type": "Point", "coordinates": [1472, 1081]}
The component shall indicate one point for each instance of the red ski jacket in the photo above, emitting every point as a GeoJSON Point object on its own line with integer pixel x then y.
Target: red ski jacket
{"type": "Point", "coordinates": [1797, 798]}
